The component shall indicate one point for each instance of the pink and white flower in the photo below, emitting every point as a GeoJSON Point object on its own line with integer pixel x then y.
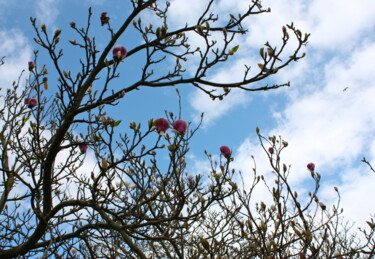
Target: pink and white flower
{"type": "Point", "coordinates": [180, 126]}
{"type": "Point", "coordinates": [119, 53]}
{"type": "Point", "coordinates": [225, 150]}
{"type": "Point", "coordinates": [161, 125]}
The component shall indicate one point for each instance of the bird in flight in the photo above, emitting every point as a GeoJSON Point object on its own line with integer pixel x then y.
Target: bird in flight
{"type": "Point", "coordinates": [346, 88]}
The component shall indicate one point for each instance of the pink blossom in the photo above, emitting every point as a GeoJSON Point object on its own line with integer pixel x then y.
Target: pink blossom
{"type": "Point", "coordinates": [225, 150]}
{"type": "Point", "coordinates": [270, 150]}
{"type": "Point", "coordinates": [311, 167]}
{"type": "Point", "coordinates": [32, 102]}
{"type": "Point", "coordinates": [161, 125]}
{"type": "Point", "coordinates": [83, 147]}
{"type": "Point", "coordinates": [180, 126]}
{"type": "Point", "coordinates": [31, 66]}
{"type": "Point", "coordinates": [119, 52]}
{"type": "Point", "coordinates": [104, 19]}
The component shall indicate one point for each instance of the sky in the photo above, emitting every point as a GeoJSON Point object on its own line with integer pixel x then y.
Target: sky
{"type": "Point", "coordinates": [322, 123]}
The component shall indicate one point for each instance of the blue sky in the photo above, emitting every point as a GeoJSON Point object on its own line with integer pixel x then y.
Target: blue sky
{"type": "Point", "coordinates": [322, 123]}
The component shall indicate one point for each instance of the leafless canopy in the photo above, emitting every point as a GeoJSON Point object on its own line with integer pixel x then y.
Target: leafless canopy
{"type": "Point", "coordinates": [130, 204]}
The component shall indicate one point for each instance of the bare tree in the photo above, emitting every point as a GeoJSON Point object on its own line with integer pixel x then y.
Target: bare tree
{"type": "Point", "coordinates": [132, 205]}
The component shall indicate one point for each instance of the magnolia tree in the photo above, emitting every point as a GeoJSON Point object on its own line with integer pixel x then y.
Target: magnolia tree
{"type": "Point", "coordinates": [131, 204]}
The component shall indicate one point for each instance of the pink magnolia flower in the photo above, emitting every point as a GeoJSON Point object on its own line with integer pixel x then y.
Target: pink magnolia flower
{"type": "Point", "coordinates": [311, 167]}
{"type": "Point", "coordinates": [104, 19]}
{"type": "Point", "coordinates": [180, 126]}
{"type": "Point", "coordinates": [270, 150]}
{"type": "Point", "coordinates": [32, 102]}
{"type": "Point", "coordinates": [161, 125]}
{"type": "Point", "coordinates": [225, 150]}
{"type": "Point", "coordinates": [31, 66]}
{"type": "Point", "coordinates": [83, 147]}
{"type": "Point", "coordinates": [119, 52]}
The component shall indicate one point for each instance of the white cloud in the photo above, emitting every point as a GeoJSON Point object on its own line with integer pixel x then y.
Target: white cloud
{"type": "Point", "coordinates": [338, 24]}
{"type": "Point", "coordinates": [322, 123]}
{"type": "Point", "coordinates": [331, 125]}
{"type": "Point", "coordinates": [17, 52]}
{"type": "Point", "coordinates": [267, 26]}
{"type": "Point", "coordinates": [182, 12]}
{"type": "Point", "coordinates": [356, 190]}
{"type": "Point", "coordinates": [332, 128]}
{"type": "Point", "coordinates": [334, 25]}
{"type": "Point", "coordinates": [262, 28]}
{"type": "Point", "coordinates": [47, 11]}
{"type": "Point", "coordinates": [213, 110]}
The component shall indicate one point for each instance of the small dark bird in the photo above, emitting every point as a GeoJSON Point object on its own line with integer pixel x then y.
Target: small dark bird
{"type": "Point", "coordinates": [346, 88]}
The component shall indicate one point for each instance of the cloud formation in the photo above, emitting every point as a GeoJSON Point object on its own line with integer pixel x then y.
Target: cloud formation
{"type": "Point", "coordinates": [322, 123]}
{"type": "Point", "coordinates": [47, 11]}
{"type": "Point", "coordinates": [17, 52]}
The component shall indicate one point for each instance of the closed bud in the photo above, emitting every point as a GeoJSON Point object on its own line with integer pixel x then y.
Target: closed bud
{"type": "Point", "coordinates": [104, 164]}
{"type": "Point", "coordinates": [57, 33]}
{"type": "Point", "coordinates": [45, 83]}
{"type": "Point", "coordinates": [233, 185]}
{"type": "Point", "coordinates": [172, 147]}
{"type": "Point", "coordinates": [205, 244]}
